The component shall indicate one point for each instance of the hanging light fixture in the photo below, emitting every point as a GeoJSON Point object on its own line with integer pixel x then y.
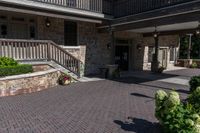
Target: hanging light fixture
{"type": "Point", "coordinates": [155, 35]}
{"type": "Point", "coordinates": [47, 22]}
{"type": "Point", "coordinates": [198, 30]}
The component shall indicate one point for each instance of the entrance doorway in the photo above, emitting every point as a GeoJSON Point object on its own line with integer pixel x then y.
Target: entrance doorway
{"type": "Point", "coordinates": [122, 57]}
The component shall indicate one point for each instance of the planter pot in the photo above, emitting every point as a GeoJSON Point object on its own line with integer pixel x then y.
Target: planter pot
{"type": "Point", "coordinates": [67, 82]}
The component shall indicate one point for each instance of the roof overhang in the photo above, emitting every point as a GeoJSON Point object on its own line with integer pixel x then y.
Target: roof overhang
{"type": "Point", "coordinates": [182, 13]}
{"type": "Point", "coordinates": [167, 28]}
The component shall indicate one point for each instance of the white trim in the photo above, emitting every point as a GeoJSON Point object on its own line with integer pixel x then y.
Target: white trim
{"type": "Point", "coordinates": [70, 47]}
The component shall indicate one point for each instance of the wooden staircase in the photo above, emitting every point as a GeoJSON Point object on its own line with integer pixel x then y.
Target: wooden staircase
{"type": "Point", "coordinates": [40, 50]}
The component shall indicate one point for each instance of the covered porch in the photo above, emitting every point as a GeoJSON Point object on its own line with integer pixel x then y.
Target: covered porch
{"type": "Point", "coordinates": [27, 36]}
{"type": "Point", "coordinates": [154, 44]}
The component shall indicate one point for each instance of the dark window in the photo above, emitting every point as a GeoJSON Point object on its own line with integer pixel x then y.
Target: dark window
{"type": "Point", "coordinates": [3, 30]}
{"type": "Point", "coordinates": [32, 31]}
{"type": "Point", "coordinates": [70, 33]}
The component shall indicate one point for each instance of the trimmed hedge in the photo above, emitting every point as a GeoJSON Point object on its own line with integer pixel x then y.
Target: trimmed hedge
{"type": "Point", "coordinates": [6, 61]}
{"type": "Point", "coordinates": [15, 70]}
{"type": "Point", "coordinates": [194, 83]}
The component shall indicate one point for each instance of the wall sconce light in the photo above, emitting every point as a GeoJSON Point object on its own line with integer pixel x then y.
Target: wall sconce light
{"type": "Point", "coordinates": [139, 47]}
{"type": "Point", "coordinates": [198, 30]}
{"type": "Point", "coordinates": [155, 34]}
{"type": "Point", "coordinates": [47, 22]}
{"type": "Point", "coordinates": [108, 45]}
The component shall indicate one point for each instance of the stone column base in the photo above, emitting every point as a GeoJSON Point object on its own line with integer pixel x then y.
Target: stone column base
{"type": "Point", "coordinates": [155, 66]}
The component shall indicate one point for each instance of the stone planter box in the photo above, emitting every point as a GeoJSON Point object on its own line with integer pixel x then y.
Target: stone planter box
{"type": "Point", "coordinates": [28, 83]}
{"type": "Point", "coordinates": [187, 62]}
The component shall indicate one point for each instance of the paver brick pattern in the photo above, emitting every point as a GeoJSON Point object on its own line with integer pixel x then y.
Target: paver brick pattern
{"type": "Point", "coordinates": [94, 107]}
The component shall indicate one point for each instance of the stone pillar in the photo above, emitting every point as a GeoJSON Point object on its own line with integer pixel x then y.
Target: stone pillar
{"type": "Point", "coordinates": [155, 62]}
{"type": "Point", "coordinates": [83, 53]}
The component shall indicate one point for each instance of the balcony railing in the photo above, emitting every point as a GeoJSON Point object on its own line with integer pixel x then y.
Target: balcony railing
{"type": "Point", "coordinates": [117, 8]}
{"type": "Point", "coordinates": [38, 50]}
{"type": "Point", "coordinates": [99, 6]}
{"type": "Point", "coordinates": [130, 7]}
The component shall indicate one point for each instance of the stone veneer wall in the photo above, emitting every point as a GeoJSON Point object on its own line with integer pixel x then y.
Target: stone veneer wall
{"type": "Point", "coordinates": [97, 54]}
{"type": "Point", "coordinates": [78, 52]}
{"type": "Point", "coordinates": [55, 32]}
{"type": "Point", "coordinates": [28, 83]}
{"type": "Point", "coordinates": [93, 51]}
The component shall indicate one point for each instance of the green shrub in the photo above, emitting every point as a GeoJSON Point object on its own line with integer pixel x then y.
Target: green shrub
{"type": "Point", "coordinates": [15, 70]}
{"type": "Point", "coordinates": [194, 83]}
{"type": "Point", "coordinates": [194, 100]}
{"type": "Point", "coordinates": [5, 61]}
{"type": "Point", "coordinates": [194, 65]}
{"type": "Point", "coordinates": [174, 116]}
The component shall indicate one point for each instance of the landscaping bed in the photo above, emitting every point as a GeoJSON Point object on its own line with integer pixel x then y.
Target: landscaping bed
{"type": "Point", "coordinates": [9, 66]}
{"type": "Point", "coordinates": [28, 83]}
{"type": "Point", "coordinates": [178, 116]}
{"type": "Point", "coordinates": [18, 78]}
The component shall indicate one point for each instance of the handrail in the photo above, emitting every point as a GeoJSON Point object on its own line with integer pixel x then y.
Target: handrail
{"type": "Point", "coordinates": [39, 50]}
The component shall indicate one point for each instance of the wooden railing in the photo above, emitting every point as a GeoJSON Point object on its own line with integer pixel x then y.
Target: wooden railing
{"type": "Point", "coordinates": [33, 50]}
{"type": "Point", "coordinates": [89, 5]}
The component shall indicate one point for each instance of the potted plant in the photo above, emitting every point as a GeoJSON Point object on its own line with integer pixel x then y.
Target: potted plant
{"type": "Point", "coordinates": [64, 79]}
{"type": "Point", "coordinates": [161, 69]}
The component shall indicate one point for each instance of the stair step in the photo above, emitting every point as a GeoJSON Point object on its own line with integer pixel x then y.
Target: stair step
{"type": "Point", "coordinates": [54, 65]}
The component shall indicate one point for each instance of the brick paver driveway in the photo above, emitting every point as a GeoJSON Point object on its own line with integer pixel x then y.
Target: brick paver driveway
{"type": "Point", "coordinates": [105, 106]}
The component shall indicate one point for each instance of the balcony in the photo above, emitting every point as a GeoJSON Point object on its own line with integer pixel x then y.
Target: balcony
{"type": "Point", "coordinates": [129, 7]}
{"type": "Point", "coordinates": [115, 8]}
{"type": "Point", "coordinates": [98, 6]}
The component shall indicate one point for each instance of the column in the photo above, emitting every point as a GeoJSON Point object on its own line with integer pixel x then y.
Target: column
{"type": "Point", "coordinates": [155, 62]}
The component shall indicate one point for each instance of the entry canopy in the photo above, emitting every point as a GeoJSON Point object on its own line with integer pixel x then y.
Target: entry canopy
{"type": "Point", "coordinates": [170, 27]}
